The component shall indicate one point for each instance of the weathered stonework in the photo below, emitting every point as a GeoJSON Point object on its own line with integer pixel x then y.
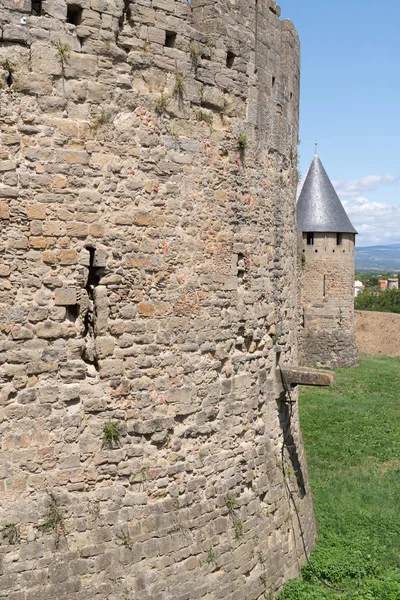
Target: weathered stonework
{"type": "Point", "coordinates": [327, 335]}
{"type": "Point", "coordinates": [147, 292]}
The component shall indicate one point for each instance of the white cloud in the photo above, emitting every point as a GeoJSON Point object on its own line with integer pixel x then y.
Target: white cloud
{"type": "Point", "coordinates": [376, 222]}
{"type": "Point", "coordinates": [354, 188]}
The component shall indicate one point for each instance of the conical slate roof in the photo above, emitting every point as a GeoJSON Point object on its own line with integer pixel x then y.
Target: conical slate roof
{"type": "Point", "coordinates": [318, 206]}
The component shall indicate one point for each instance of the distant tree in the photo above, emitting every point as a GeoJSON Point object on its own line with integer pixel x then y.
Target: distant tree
{"type": "Point", "coordinates": [371, 281]}
{"type": "Point", "coordinates": [380, 301]}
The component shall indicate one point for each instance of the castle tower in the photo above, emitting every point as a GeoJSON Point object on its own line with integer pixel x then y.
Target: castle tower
{"type": "Point", "coordinates": [326, 240]}
{"type": "Point", "coordinates": [147, 292]}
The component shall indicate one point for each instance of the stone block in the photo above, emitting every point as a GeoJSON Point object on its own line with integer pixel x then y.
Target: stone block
{"type": "Point", "coordinates": [75, 229]}
{"type": "Point", "coordinates": [305, 376]}
{"type": "Point", "coordinates": [7, 165]}
{"type": "Point", "coordinates": [73, 157]}
{"type": "Point", "coordinates": [8, 192]}
{"type": "Point", "coordinates": [49, 330]}
{"type": "Point", "coordinates": [65, 297]}
{"type": "Point", "coordinates": [67, 257]}
{"type": "Point", "coordinates": [156, 35]}
{"type": "Point", "coordinates": [4, 210]}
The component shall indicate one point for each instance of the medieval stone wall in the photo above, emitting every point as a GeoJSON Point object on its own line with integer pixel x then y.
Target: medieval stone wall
{"type": "Point", "coordinates": [147, 291]}
{"type": "Point", "coordinates": [326, 288]}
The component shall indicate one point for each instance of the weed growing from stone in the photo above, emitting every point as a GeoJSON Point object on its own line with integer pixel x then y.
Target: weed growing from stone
{"type": "Point", "coordinates": [12, 533]}
{"type": "Point", "coordinates": [94, 509]}
{"type": "Point", "coordinates": [242, 142]}
{"type": "Point", "coordinates": [126, 539]}
{"type": "Point", "coordinates": [238, 527]}
{"type": "Point", "coordinates": [111, 435]}
{"type": "Point", "coordinates": [210, 556]}
{"type": "Point", "coordinates": [54, 521]}
{"type": "Point", "coordinates": [194, 55]}
{"type": "Point", "coordinates": [205, 117]}
{"type": "Point", "coordinates": [275, 337]}
{"type": "Point", "coordinates": [162, 104]}
{"type": "Point", "coordinates": [101, 119]}
{"type": "Point", "coordinates": [179, 87]}
{"type": "Point", "coordinates": [8, 66]}
{"type": "Point", "coordinates": [63, 51]}
{"type": "Point", "coordinates": [231, 503]}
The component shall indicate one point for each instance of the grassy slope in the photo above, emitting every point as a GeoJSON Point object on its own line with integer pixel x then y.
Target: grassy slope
{"type": "Point", "coordinates": [352, 438]}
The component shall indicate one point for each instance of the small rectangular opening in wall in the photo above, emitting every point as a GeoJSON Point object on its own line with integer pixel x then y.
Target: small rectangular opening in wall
{"type": "Point", "coordinates": [324, 287]}
{"type": "Point", "coordinates": [170, 39]}
{"type": "Point", "coordinates": [72, 312]}
{"type": "Point", "coordinates": [36, 8]}
{"type": "Point", "coordinates": [273, 81]}
{"type": "Point", "coordinates": [339, 239]}
{"type": "Point", "coordinates": [310, 239]}
{"type": "Point", "coordinates": [241, 267]}
{"type": "Point", "coordinates": [74, 14]}
{"type": "Point", "coordinates": [230, 59]}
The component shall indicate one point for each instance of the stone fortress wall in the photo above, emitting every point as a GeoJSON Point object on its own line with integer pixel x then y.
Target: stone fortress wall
{"type": "Point", "coordinates": [147, 292]}
{"type": "Point", "coordinates": [327, 335]}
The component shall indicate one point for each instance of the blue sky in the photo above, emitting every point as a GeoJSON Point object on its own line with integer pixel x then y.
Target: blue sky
{"type": "Point", "coordinates": [350, 104]}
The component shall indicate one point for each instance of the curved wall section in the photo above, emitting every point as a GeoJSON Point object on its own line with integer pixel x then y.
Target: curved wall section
{"type": "Point", "coordinates": [147, 292]}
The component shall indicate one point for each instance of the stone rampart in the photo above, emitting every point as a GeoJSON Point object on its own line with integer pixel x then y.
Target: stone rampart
{"type": "Point", "coordinates": [147, 292]}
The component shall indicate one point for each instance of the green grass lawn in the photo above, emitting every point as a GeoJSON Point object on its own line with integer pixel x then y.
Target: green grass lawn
{"type": "Point", "coordinates": [352, 438]}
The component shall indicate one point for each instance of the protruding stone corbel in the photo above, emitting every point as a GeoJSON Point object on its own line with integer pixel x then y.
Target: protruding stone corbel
{"type": "Point", "coordinates": [288, 376]}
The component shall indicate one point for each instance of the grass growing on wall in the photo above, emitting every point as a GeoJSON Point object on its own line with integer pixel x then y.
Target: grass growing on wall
{"type": "Point", "coordinates": [352, 437]}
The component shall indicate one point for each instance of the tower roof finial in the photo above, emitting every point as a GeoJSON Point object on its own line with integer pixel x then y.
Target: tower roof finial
{"type": "Point", "coordinates": [316, 149]}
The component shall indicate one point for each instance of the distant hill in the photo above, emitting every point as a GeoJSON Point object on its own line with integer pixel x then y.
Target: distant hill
{"type": "Point", "coordinates": [378, 258]}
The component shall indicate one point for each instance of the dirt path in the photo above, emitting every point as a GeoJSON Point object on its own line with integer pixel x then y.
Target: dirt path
{"type": "Point", "coordinates": [377, 332]}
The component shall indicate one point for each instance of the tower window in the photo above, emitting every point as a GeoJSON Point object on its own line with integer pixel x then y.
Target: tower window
{"type": "Point", "coordinates": [74, 14]}
{"type": "Point", "coordinates": [230, 59]}
{"type": "Point", "coordinates": [324, 288]}
{"type": "Point", "coordinates": [170, 39]}
{"type": "Point", "coordinates": [310, 239]}
{"type": "Point", "coordinates": [36, 8]}
{"type": "Point", "coordinates": [339, 239]}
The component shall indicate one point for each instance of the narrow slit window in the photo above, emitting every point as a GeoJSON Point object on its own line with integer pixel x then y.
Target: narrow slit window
{"type": "Point", "coordinates": [72, 312]}
{"type": "Point", "coordinates": [170, 39]}
{"type": "Point", "coordinates": [36, 8]}
{"type": "Point", "coordinates": [241, 267]}
{"type": "Point", "coordinates": [339, 239]}
{"type": "Point", "coordinates": [230, 59]}
{"type": "Point", "coordinates": [273, 81]}
{"type": "Point", "coordinates": [310, 239]}
{"type": "Point", "coordinates": [324, 287]}
{"type": "Point", "coordinates": [74, 14]}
